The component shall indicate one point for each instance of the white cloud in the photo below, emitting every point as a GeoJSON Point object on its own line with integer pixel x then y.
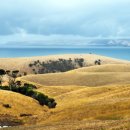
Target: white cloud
{"type": "Point", "coordinates": [58, 20]}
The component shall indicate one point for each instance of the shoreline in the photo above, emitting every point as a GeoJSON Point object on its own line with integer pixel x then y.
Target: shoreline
{"type": "Point", "coordinates": [22, 64]}
{"type": "Point", "coordinates": [117, 53]}
{"type": "Point", "coordinates": [65, 56]}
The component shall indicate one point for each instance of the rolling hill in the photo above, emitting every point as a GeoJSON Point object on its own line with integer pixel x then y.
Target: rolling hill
{"type": "Point", "coordinates": [18, 105]}
{"type": "Point", "coordinates": [88, 76]}
{"type": "Point", "coordinates": [22, 64]}
{"type": "Point", "coordinates": [89, 98]}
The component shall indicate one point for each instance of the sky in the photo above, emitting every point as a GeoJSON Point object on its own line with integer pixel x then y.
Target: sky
{"type": "Point", "coordinates": [64, 22]}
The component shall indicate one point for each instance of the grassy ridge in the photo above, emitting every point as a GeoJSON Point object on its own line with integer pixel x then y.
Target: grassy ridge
{"type": "Point", "coordinates": [89, 76]}
{"type": "Point", "coordinates": [87, 107]}
{"type": "Point", "coordinates": [104, 106]}
{"type": "Point", "coordinates": [22, 64]}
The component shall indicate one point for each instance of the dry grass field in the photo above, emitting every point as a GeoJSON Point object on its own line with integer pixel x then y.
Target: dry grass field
{"type": "Point", "coordinates": [96, 108]}
{"type": "Point", "coordinates": [20, 104]}
{"type": "Point", "coordinates": [22, 64]}
{"type": "Point", "coordinates": [89, 98]}
{"type": "Point", "coordinates": [87, 76]}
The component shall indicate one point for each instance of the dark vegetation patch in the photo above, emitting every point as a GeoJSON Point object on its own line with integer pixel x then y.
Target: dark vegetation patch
{"type": "Point", "coordinates": [53, 66]}
{"type": "Point", "coordinates": [8, 120]}
{"type": "Point", "coordinates": [25, 89]}
{"type": "Point", "coordinates": [25, 115]}
{"type": "Point", "coordinates": [60, 65]}
{"type": "Point", "coordinates": [7, 105]}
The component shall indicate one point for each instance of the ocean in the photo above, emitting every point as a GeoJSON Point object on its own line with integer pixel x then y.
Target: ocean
{"type": "Point", "coordinates": [120, 53]}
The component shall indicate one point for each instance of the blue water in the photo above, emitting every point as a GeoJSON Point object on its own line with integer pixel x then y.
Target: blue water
{"type": "Point", "coordinates": [120, 53]}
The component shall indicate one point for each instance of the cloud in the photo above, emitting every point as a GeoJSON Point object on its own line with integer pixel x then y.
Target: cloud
{"type": "Point", "coordinates": [31, 40]}
{"type": "Point", "coordinates": [42, 20]}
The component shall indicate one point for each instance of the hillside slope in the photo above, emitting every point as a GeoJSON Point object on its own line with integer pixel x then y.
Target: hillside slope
{"type": "Point", "coordinates": [22, 64]}
{"type": "Point", "coordinates": [106, 68]}
{"type": "Point", "coordinates": [88, 76]}
{"type": "Point", "coordinates": [87, 108]}
{"type": "Point", "coordinates": [90, 98]}
{"type": "Point", "coordinates": [19, 104]}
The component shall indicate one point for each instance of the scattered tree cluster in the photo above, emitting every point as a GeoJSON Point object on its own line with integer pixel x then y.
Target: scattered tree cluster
{"type": "Point", "coordinates": [98, 62]}
{"type": "Point", "coordinates": [25, 89]}
{"type": "Point", "coordinates": [53, 66]}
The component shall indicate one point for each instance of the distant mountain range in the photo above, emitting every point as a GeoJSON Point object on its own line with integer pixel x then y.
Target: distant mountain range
{"type": "Point", "coordinates": [72, 43]}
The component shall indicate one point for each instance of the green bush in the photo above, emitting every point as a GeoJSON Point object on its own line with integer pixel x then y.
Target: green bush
{"type": "Point", "coordinates": [52, 104]}
{"type": "Point", "coordinates": [30, 86]}
{"type": "Point", "coordinates": [41, 98]}
{"type": "Point", "coordinates": [4, 88]}
{"type": "Point", "coordinates": [28, 91]}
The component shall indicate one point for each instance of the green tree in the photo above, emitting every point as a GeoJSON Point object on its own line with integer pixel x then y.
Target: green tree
{"type": "Point", "coordinates": [12, 75]}
{"type": "Point", "coordinates": [2, 73]}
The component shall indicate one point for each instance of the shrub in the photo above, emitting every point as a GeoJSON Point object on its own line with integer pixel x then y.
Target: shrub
{"type": "Point", "coordinates": [52, 104]}
{"type": "Point", "coordinates": [30, 86]}
{"type": "Point", "coordinates": [30, 65]}
{"type": "Point", "coordinates": [24, 73]}
{"type": "Point", "coordinates": [2, 73]}
{"type": "Point", "coordinates": [41, 98]}
{"type": "Point", "coordinates": [28, 91]}
{"type": "Point", "coordinates": [23, 115]}
{"type": "Point", "coordinates": [4, 87]}
{"type": "Point", "coordinates": [97, 62]}
{"type": "Point", "coordinates": [6, 105]}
